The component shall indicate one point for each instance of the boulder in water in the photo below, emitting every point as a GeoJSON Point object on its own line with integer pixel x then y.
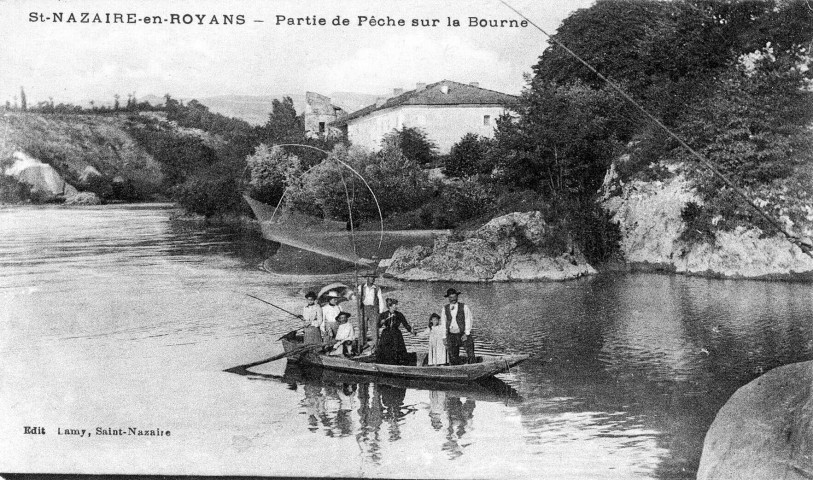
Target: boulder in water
{"type": "Point", "coordinates": [765, 430]}
{"type": "Point", "coordinates": [510, 247]}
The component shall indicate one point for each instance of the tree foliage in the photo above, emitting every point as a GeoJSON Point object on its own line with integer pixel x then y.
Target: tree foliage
{"type": "Point", "coordinates": [413, 142]}
{"type": "Point", "coordinates": [469, 156]}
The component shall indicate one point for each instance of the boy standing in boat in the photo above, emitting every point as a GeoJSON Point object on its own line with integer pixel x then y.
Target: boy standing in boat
{"type": "Point", "coordinates": [372, 301]}
{"type": "Point", "coordinates": [457, 320]}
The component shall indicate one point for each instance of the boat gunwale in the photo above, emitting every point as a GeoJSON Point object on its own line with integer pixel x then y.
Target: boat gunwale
{"type": "Point", "coordinates": [454, 373]}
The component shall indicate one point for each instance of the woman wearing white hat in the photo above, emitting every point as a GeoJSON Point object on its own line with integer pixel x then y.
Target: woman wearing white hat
{"type": "Point", "coordinates": [330, 311]}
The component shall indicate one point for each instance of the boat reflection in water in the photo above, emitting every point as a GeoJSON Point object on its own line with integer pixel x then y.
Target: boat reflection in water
{"type": "Point", "coordinates": [374, 409]}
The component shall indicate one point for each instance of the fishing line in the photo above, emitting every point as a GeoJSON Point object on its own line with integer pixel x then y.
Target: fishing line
{"type": "Point", "coordinates": [703, 160]}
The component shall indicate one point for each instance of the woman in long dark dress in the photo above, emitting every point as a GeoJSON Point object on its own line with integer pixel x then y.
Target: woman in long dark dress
{"type": "Point", "coordinates": [391, 347]}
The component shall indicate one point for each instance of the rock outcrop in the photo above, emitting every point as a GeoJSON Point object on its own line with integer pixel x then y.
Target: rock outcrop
{"type": "Point", "coordinates": [765, 430]}
{"type": "Point", "coordinates": [649, 216]}
{"type": "Point", "coordinates": [83, 198]}
{"type": "Point", "coordinates": [506, 248]}
{"type": "Point", "coordinates": [41, 177]}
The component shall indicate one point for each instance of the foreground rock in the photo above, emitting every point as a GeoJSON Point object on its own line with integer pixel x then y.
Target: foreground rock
{"type": "Point", "coordinates": [507, 248]}
{"type": "Point", "coordinates": [83, 198]}
{"type": "Point", "coordinates": [765, 430]}
{"type": "Point", "coordinates": [649, 216]}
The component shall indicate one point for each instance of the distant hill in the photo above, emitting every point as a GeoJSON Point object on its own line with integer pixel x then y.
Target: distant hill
{"type": "Point", "coordinates": [255, 108]}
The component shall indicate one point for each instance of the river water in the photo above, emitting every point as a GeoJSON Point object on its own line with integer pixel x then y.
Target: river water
{"type": "Point", "coordinates": [118, 317]}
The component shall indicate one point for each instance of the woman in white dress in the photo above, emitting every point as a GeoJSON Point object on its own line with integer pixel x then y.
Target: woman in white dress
{"type": "Point", "coordinates": [345, 335]}
{"type": "Point", "coordinates": [437, 350]}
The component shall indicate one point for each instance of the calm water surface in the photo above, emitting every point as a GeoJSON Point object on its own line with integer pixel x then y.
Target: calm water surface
{"type": "Point", "coordinates": [118, 317]}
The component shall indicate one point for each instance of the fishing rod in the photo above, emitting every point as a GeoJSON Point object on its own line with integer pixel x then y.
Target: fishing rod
{"type": "Point", "coordinates": [804, 244]}
{"type": "Point", "coordinates": [275, 306]}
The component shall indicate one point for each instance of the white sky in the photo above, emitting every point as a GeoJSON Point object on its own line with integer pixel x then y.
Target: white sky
{"type": "Point", "coordinates": [78, 62]}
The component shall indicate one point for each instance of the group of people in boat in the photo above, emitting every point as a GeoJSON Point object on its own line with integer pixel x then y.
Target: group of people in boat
{"type": "Point", "coordinates": [447, 331]}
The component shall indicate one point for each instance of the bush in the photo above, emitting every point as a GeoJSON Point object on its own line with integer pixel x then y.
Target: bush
{"type": "Point", "coordinates": [211, 191]}
{"type": "Point", "coordinates": [414, 143]}
{"type": "Point", "coordinates": [13, 191]}
{"type": "Point", "coordinates": [398, 183]}
{"type": "Point", "coordinates": [269, 170]}
{"type": "Point", "coordinates": [469, 157]}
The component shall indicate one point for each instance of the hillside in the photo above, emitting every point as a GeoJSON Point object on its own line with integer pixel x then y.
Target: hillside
{"type": "Point", "coordinates": [73, 143]}
{"type": "Point", "coordinates": [255, 108]}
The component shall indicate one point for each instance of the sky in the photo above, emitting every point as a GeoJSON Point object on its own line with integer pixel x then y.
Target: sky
{"type": "Point", "coordinates": [76, 62]}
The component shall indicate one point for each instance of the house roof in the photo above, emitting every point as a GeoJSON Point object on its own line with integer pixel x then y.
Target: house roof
{"type": "Point", "coordinates": [458, 94]}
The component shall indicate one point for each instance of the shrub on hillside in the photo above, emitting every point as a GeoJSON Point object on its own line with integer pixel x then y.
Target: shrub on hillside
{"type": "Point", "coordinates": [398, 183]}
{"type": "Point", "coordinates": [414, 143]}
{"type": "Point", "coordinates": [211, 191]}
{"type": "Point", "coordinates": [469, 156]}
{"type": "Point", "coordinates": [13, 191]}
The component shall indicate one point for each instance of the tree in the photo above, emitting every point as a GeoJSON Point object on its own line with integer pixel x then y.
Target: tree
{"type": "Point", "coordinates": [468, 156]}
{"type": "Point", "coordinates": [413, 142]}
{"type": "Point", "coordinates": [283, 125]}
{"type": "Point", "coordinates": [23, 102]}
{"type": "Point", "coordinates": [564, 140]}
{"type": "Point", "coordinates": [116, 102]}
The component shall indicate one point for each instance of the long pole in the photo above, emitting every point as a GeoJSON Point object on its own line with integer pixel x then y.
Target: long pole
{"type": "Point", "coordinates": [275, 306]}
{"type": "Point", "coordinates": [796, 240]}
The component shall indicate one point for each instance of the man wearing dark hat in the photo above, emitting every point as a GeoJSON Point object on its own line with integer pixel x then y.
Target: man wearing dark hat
{"type": "Point", "coordinates": [457, 318]}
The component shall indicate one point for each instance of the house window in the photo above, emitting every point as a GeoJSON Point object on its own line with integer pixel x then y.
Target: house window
{"type": "Point", "coordinates": [486, 120]}
{"type": "Point", "coordinates": [321, 127]}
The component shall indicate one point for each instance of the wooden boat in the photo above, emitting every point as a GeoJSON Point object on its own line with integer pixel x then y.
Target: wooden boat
{"type": "Point", "coordinates": [489, 389]}
{"type": "Point", "coordinates": [486, 366]}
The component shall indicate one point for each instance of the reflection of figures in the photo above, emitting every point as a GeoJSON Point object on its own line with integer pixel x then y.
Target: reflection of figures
{"type": "Point", "coordinates": [393, 400]}
{"type": "Point", "coordinates": [460, 416]}
{"type": "Point", "coordinates": [344, 422]}
{"type": "Point", "coordinates": [437, 405]}
{"type": "Point", "coordinates": [457, 320]}
{"type": "Point", "coordinates": [370, 418]}
{"type": "Point", "coordinates": [437, 348]}
{"type": "Point", "coordinates": [391, 347]}
{"type": "Point", "coordinates": [314, 405]}
{"type": "Point", "coordinates": [312, 314]}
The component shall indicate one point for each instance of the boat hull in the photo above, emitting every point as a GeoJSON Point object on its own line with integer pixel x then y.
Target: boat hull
{"type": "Point", "coordinates": [456, 373]}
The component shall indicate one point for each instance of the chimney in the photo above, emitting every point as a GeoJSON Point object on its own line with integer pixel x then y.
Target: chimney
{"type": "Point", "coordinates": [397, 91]}
{"type": "Point", "coordinates": [380, 101]}
{"type": "Point", "coordinates": [444, 89]}
{"type": "Point", "coordinates": [475, 84]}
{"type": "Point", "coordinates": [419, 86]}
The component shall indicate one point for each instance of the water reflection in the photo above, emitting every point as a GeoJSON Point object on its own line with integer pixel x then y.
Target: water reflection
{"type": "Point", "coordinates": [375, 410]}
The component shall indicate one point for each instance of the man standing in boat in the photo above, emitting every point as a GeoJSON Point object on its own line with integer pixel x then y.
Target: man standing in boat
{"type": "Point", "coordinates": [372, 301]}
{"type": "Point", "coordinates": [457, 320]}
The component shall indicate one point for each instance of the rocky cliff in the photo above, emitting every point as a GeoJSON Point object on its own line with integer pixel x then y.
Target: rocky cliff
{"type": "Point", "coordinates": [765, 430]}
{"type": "Point", "coordinates": [649, 217]}
{"type": "Point", "coordinates": [510, 247]}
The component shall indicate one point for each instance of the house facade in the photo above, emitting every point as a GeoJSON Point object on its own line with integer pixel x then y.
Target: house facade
{"type": "Point", "coordinates": [319, 114]}
{"type": "Point", "coordinates": [445, 110]}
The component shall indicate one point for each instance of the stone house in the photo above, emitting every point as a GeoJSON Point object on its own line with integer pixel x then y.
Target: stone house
{"type": "Point", "coordinates": [319, 114]}
{"type": "Point", "coordinates": [445, 110]}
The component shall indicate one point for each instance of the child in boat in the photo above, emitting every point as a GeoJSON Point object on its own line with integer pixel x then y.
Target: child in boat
{"type": "Point", "coordinates": [345, 335]}
{"type": "Point", "coordinates": [437, 350]}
